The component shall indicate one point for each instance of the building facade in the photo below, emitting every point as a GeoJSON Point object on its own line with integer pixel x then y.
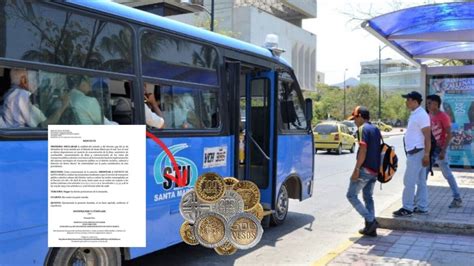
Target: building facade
{"type": "Point", "coordinates": [251, 21]}
{"type": "Point", "coordinates": [320, 77]}
{"type": "Point", "coordinates": [396, 75]}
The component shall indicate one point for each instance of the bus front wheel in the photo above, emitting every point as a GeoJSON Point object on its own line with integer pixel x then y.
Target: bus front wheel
{"type": "Point", "coordinates": [281, 208]}
{"type": "Point", "coordinates": [85, 256]}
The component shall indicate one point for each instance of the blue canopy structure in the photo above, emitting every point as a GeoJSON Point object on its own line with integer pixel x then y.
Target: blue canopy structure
{"type": "Point", "coordinates": [438, 31]}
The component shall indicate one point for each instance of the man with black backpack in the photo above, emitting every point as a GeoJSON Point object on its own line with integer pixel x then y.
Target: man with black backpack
{"type": "Point", "coordinates": [366, 169]}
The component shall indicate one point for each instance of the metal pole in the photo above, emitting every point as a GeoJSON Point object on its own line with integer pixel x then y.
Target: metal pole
{"type": "Point", "coordinates": [344, 114]}
{"type": "Point", "coordinates": [380, 83]}
{"type": "Point", "coordinates": [212, 15]}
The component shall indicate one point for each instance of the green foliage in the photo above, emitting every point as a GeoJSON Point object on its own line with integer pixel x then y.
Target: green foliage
{"type": "Point", "coordinates": [328, 102]}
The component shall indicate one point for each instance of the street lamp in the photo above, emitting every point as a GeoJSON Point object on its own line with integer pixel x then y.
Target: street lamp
{"type": "Point", "coordinates": [344, 82]}
{"type": "Point", "coordinates": [211, 13]}
{"type": "Point", "coordinates": [380, 81]}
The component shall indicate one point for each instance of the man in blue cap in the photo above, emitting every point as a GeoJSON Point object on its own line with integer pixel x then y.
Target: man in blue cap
{"type": "Point", "coordinates": [417, 146]}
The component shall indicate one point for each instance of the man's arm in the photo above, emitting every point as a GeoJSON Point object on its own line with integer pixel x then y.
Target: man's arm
{"type": "Point", "coordinates": [427, 134]}
{"type": "Point", "coordinates": [361, 155]}
{"type": "Point", "coordinates": [54, 118]}
{"type": "Point", "coordinates": [449, 136]}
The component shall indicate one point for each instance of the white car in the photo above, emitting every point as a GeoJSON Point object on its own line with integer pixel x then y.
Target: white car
{"type": "Point", "coordinates": [351, 126]}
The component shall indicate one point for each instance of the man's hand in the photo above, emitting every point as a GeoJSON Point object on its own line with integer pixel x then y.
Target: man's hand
{"type": "Point", "coordinates": [426, 160]}
{"type": "Point", "coordinates": [355, 174]}
{"type": "Point", "coordinates": [65, 100]}
{"type": "Point", "coordinates": [442, 155]}
{"type": "Point", "coordinates": [150, 99]}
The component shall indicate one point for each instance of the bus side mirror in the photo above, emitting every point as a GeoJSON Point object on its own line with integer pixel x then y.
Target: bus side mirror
{"type": "Point", "coordinates": [309, 111]}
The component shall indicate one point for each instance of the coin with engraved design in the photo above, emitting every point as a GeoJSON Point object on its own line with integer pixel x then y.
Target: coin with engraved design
{"type": "Point", "coordinates": [245, 231]}
{"type": "Point", "coordinates": [257, 211]}
{"type": "Point", "coordinates": [226, 249]}
{"type": "Point", "coordinates": [210, 187]}
{"type": "Point", "coordinates": [191, 207]}
{"type": "Point", "coordinates": [210, 229]}
{"type": "Point", "coordinates": [249, 193]}
{"type": "Point", "coordinates": [187, 234]}
{"type": "Point", "coordinates": [229, 205]}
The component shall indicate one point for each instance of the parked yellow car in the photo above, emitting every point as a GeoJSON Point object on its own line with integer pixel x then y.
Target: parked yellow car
{"type": "Point", "coordinates": [382, 126]}
{"type": "Point", "coordinates": [333, 136]}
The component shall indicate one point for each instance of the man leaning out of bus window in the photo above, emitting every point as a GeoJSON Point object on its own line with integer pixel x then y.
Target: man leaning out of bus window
{"type": "Point", "coordinates": [18, 111]}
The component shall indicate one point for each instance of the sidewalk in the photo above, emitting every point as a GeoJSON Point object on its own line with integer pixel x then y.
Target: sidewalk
{"type": "Point", "coordinates": [408, 248]}
{"type": "Point", "coordinates": [440, 218]}
{"type": "Point", "coordinates": [442, 237]}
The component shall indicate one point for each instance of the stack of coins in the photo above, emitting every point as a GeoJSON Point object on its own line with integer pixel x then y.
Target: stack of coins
{"type": "Point", "coordinates": [222, 213]}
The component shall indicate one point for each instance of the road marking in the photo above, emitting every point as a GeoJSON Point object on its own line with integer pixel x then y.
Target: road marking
{"type": "Point", "coordinates": [337, 251]}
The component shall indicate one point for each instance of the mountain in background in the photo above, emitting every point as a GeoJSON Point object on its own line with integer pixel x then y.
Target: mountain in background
{"type": "Point", "coordinates": [350, 82]}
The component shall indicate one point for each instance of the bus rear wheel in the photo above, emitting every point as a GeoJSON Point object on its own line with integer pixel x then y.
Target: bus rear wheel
{"type": "Point", "coordinates": [85, 257]}
{"type": "Point", "coordinates": [281, 207]}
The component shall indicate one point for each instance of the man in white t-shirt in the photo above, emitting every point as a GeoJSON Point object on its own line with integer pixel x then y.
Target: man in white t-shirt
{"type": "Point", "coordinates": [18, 111]}
{"type": "Point", "coordinates": [417, 145]}
{"type": "Point", "coordinates": [153, 114]}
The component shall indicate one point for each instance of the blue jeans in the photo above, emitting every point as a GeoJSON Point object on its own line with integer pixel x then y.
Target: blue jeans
{"type": "Point", "coordinates": [448, 175]}
{"type": "Point", "coordinates": [415, 177]}
{"type": "Point", "coordinates": [365, 183]}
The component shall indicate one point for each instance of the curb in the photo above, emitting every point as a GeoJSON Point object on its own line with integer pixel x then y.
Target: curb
{"type": "Point", "coordinates": [414, 224]}
{"type": "Point", "coordinates": [422, 222]}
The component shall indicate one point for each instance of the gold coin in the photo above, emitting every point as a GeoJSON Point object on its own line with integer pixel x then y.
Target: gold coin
{"type": "Point", "coordinates": [226, 249]}
{"type": "Point", "coordinates": [210, 187]}
{"type": "Point", "coordinates": [187, 234]}
{"type": "Point", "coordinates": [245, 231]}
{"type": "Point", "coordinates": [257, 211]}
{"type": "Point", "coordinates": [210, 230]}
{"type": "Point", "coordinates": [249, 193]}
{"type": "Point", "coordinates": [230, 182]}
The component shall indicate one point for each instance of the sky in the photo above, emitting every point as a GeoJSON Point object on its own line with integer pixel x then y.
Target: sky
{"type": "Point", "coordinates": [341, 47]}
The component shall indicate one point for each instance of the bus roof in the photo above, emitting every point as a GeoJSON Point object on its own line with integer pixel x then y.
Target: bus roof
{"type": "Point", "coordinates": [137, 15]}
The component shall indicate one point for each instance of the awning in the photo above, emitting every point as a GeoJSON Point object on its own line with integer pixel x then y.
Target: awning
{"type": "Point", "coordinates": [438, 31]}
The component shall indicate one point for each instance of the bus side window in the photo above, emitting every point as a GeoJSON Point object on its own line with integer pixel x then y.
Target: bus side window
{"type": "Point", "coordinates": [56, 98]}
{"type": "Point", "coordinates": [291, 106]}
{"type": "Point", "coordinates": [187, 108]}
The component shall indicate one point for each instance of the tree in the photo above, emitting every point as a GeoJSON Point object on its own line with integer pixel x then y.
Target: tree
{"type": "Point", "coordinates": [328, 102]}
{"type": "Point", "coordinates": [394, 107]}
{"type": "Point", "coordinates": [364, 94]}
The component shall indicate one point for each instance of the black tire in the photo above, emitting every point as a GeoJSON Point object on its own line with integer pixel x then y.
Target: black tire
{"type": "Point", "coordinates": [281, 207]}
{"type": "Point", "coordinates": [315, 151]}
{"type": "Point", "coordinates": [387, 130]}
{"type": "Point", "coordinates": [339, 149]}
{"type": "Point", "coordinates": [85, 256]}
{"type": "Point", "coordinates": [352, 148]}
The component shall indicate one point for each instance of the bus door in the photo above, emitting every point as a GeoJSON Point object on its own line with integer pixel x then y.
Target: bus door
{"type": "Point", "coordinates": [259, 133]}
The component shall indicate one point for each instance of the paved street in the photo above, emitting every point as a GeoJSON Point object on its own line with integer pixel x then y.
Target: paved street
{"type": "Point", "coordinates": [313, 227]}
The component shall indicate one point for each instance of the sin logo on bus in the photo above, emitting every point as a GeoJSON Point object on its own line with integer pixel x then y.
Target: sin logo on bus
{"type": "Point", "coordinates": [169, 183]}
{"type": "Point", "coordinates": [164, 171]}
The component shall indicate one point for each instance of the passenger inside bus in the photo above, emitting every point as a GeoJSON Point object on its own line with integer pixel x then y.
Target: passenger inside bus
{"type": "Point", "coordinates": [18, 111]}
{"type": "Point", "coordinates": [153, 114]}
{"type": "Point", "coordinates": [85, 107]}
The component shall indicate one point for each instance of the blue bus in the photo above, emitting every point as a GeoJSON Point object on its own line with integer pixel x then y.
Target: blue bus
{"type": "Point", "coordinates": [213, 91]}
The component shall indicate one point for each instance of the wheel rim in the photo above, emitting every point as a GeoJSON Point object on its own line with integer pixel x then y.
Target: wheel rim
{"type": "Point", "coordinates": [88, 257]}
{"type": "Point", "coordinates": [282, 204]}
